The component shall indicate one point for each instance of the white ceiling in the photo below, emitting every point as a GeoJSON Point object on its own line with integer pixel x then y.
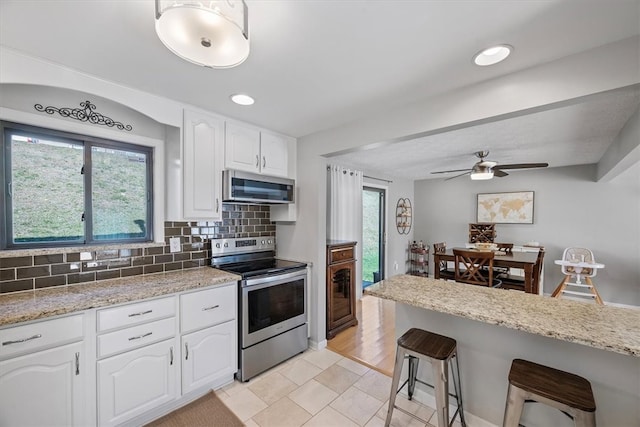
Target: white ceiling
{"type": "Point", "coordinates": [573, 134]}
{"type": "Point", "coordinates": [317, 64]}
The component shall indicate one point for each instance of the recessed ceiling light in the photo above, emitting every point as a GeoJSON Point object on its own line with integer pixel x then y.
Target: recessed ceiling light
{"type": "Point", "coordinates": [242, 99]}
{"type": "Point", "coordinates": [492, 55]}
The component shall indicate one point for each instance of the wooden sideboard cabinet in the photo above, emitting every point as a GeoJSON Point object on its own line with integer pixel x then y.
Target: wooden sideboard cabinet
{"type": "Point", "coordinates": [341, 286]}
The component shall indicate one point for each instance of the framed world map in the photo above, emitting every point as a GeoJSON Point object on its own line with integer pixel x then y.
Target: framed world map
{"type": "Point", "coordinates": [506, 208]}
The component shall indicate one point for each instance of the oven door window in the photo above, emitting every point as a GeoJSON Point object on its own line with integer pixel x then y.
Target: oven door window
{"type": "Point", "coordinates": [275, 304]}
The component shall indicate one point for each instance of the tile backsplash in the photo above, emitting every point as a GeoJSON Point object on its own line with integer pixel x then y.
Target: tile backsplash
{"type": "Point", "coordinates": [27, 272]}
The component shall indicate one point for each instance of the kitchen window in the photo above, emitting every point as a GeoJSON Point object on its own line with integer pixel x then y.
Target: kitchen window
{"type": "Point", "coordinates": [62, 189]}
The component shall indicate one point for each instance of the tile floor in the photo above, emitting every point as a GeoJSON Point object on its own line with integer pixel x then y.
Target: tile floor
{"type": "Point", "coordinates": [323, 389]}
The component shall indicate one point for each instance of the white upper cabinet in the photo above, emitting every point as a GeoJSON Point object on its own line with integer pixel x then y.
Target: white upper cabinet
{"type": "Point", "coordinates": [274, 154]}
{"type": "Point", "coordinates": [251, 150]}
{"type": "Point", "coordinates": [202, 166]}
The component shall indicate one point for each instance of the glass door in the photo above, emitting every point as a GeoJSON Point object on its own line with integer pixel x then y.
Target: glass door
{"type": "Point", "coordinates": [373, 235]}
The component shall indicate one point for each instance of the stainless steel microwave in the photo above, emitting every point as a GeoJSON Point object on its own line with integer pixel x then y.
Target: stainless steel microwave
{"type": "Point", "coordinates": [246, 187]}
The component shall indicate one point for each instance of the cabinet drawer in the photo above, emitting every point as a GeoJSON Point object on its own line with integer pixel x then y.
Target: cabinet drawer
{"type": "Point", "coordinates": [134, 314]}
{"type": "Point", "coordinates": [135, 336]}
{"type": "Point", "coordinates": [340, 254]}
{"type": "Point", "coordinates": [40, 335]}
{"type": "Point", "coordinates": [206, 308]}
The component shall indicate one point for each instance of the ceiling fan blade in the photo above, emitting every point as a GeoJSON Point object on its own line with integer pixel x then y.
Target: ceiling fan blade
{"type": "Point", "coordinates": [499, 173]}
{"type": "Point", "coordinates": [462, 174]}
{"type": "Point", "coordinates": [522, 166]}
{"type": "Point", "coordinates": [455, 170]}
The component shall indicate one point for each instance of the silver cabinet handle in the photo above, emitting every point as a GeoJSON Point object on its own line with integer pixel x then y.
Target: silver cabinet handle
{"type": "Point", "coordinates": [23, 340]}
{"type": "Point", "coordinates": [257, 160]}
{"type": "Point", "coordinates": [142, 313]}
{"type": "Point", "coordinates": [211, 308]}
{"type": "Point", "coordinates": [217, 205]}
{"type": "Point", "coordinates": [264, 161]}
{"type": "Point", "coordinates": [186, 351]}
{"type": "Point", "coordinates": [140, 336]}
{"type": "Point", "coordinates": [171, 355]}
{"type": "Point", "coordinates": [78, 363]}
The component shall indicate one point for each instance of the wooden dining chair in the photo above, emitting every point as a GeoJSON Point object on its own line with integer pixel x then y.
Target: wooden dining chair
{"type": "Point", "coordinates": [516, 282]}
{"type": "Point", "coordinates": [445, 271]}
{"type": "Point", "coordinates": [475, 268]}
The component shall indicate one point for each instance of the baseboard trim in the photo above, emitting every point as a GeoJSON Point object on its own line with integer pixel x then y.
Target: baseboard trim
{"type": "Point", "coordinates": [317, 345]}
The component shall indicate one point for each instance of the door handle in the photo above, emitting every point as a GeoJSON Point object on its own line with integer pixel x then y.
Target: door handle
{"type": "Point", "coordinates": [264, 162]}
{"type": "Point", "coordinates": [171, 356]}
{"type": "Point", "coordinates": [186, 351]}
{"type": "Point", "coordinates": [257, 160]}
{"type": "Point", "coordinates": [78, 363]}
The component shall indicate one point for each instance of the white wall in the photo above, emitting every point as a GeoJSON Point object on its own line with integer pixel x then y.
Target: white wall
{"type": "Point", "coordinates": [571, 209]}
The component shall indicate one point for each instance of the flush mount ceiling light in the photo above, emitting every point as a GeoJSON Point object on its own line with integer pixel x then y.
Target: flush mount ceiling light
{"type": "Point", "coordinates": [210, 33]}
{"type": "Point", "coordinates": [242, 99]}
{"type": "Point", "coordinates": [481, 172]}
{"type": "Point", "coordinates": [492, 55]}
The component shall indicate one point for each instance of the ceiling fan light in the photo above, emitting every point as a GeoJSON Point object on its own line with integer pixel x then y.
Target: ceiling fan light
{"type": "Point", "coordinates": [479, 173]}
{"type": "Point", "coordinates": [212, 34]}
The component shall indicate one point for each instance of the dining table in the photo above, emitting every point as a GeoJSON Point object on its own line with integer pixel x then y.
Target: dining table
{"type": "Point", "coordinates": [522, 260]}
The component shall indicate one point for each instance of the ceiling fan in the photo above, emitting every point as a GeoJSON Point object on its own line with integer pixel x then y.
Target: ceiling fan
{"type": "Point", "coordinates": [486, 169]}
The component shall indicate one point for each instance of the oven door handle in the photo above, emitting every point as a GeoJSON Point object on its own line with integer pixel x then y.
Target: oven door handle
{"type": "Point", "coordinates": [269, 280]}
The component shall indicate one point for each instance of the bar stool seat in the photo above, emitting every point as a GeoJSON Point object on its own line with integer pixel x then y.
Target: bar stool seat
{"type": "Point", "coordinates": [567, 392]}
{"type": "Point", "coordinates": [418, 344]}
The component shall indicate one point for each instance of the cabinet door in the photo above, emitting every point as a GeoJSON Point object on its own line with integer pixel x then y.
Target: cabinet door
{"type": "Point", "coordinates": [341, 298]}
{"type": "Point", "coordinates": [202, 166]}
{"type": "Point", "coordinates": [209, 356]}
{"type": "Point", "coordinates": [274, 152]}
{"type": "Point", "coordinates": [242, 148]}
{"type": "Point", "coordinates": [44, 388]}
{"type": "Point", "coordinates": [135, 382]}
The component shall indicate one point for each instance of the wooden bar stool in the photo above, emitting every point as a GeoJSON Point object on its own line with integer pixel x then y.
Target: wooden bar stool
{"type": "Point", "coordinates": [567, 392]}
{"type": "Point", "coordinates": [417, 344]}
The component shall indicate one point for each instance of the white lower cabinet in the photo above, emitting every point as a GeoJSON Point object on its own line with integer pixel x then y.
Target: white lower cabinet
{"type": "Point", "coordinates": [136, 381]}
{"type": "Point", "coordinates": [209, 356]}
{"type": "Point", "coordinates": [46, 388]}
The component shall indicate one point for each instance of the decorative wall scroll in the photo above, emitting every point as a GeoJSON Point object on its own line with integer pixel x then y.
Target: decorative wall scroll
{"type": "Point", "coordinates": [403, 215]}
{"type": "Point", "coordinates": [506, 208]}
{"type": "Point", "coordinates": [84, 114]}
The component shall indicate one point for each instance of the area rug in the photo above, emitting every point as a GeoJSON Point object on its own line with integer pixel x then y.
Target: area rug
{"type": "Point", "coordinates": [205, 411]}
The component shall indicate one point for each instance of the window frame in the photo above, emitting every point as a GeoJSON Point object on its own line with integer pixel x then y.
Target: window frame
{"type": "Point", "coordinates": [88, 142]}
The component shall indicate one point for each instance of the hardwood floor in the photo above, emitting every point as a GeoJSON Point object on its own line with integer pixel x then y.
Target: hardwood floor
{"type": "Point", "coordinates": [372, 342]}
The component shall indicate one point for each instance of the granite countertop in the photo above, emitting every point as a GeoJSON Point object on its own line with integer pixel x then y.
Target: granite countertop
{"type": "Point", "coordinates": [609, 328]}
{"type": "Point", "coordinates": [42, 303]}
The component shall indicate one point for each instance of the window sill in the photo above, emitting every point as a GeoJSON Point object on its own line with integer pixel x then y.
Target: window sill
{"type": "Point", "coordinates": [10, 253]}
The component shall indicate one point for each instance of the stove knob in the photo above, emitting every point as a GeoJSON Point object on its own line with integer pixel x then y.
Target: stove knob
{"type": "Point", "coordinates": [218, 245]}
{"type": "Point", "coordinates": [262, 242]}
{"type": "Point", "coordinates": [269, 241]}
{"type": "Point", "coordinates": [226, 245]}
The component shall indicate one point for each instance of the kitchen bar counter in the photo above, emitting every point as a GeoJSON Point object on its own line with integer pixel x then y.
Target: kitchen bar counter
{"type": "Point", "coordinates": [42, 303]}
{"type": "Point", "coordinates": [604, 327]}
{"type": "Point", "coordinates": [599, 343]}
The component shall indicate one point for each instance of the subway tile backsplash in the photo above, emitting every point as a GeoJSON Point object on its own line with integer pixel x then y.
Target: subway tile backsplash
{"type": "Point", "coordinates": [23, 273]}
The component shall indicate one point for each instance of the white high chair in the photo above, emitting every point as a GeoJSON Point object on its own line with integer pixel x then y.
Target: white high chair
{"type": "Point", "coordinates": [578, 263]}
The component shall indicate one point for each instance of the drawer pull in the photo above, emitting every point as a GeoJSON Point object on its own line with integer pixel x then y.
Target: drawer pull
{"type": "Point", "coordinates": [22, 340]}
{"type": "Point", "coordinates": [140, 336]}
{"type": "Point", "coordinates": [142, 313]}
{"type": "Point", "coordinates": [211, 308]}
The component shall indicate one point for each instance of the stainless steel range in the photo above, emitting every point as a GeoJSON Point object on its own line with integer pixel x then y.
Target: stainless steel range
{"type": "Point", "coordinates": [272, 302]}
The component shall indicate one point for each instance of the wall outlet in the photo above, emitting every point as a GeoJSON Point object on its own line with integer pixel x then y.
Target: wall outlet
{"type": "Point", "coordinates": [174, 244]}
{"type": "Point", "coordinates": [395, 265]}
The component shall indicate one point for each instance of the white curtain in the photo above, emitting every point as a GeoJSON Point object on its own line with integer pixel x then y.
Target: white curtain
{"type": "Point", "coordinates": [344, 211]}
